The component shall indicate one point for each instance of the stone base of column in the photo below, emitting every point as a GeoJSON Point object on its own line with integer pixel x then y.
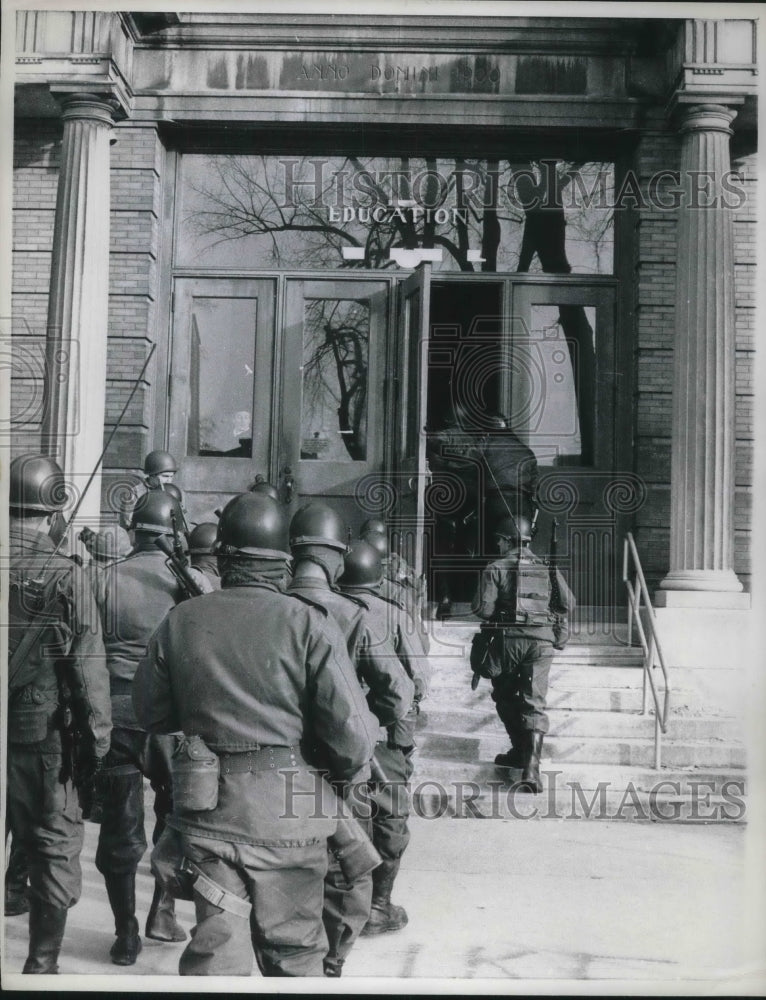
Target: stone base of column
{"type": "Point", "coordinates": [703, 599]}
{"type": "Point", "coordinates": [701, 580]}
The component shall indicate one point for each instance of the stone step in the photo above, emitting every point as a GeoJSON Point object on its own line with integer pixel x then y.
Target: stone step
{"type": "Point", "coordinates": [483, 720]}
{"type": "Point", "coordinates": [585, 792]}
{"type": "Point", "coordinates": [631, 751]}
{"type": "Point", "coordinates": [457, 677]}
{"type": "Point", "coordinates": [584, 775]}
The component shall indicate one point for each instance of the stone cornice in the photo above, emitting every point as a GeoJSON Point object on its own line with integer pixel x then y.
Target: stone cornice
{"type": "Point", "coordinates": [555, 36]}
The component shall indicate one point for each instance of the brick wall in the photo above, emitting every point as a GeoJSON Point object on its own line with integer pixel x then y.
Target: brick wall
{"type": "Point", "coordinates": [654, 296]}
{"type": "Point", "coordinates": [654, 254]}
{"type": "Point", "coordinates": [136, 159]}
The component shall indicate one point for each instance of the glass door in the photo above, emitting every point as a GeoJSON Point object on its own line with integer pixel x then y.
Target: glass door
{"type": "Point", "coordinates": [331, 424]}
{"type": "Point", "coordinates": [562, 399]}
{"type": "Point", "coordinates": [220, 385]}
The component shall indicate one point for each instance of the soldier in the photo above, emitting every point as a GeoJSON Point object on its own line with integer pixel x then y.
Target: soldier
{"type": "Point", "coordinates": [454, 461]}
{"type": "Point", "coordinates": [160, 469]}
{"type": "Point", "coordinates": [203, 558]}
{"type": "Point", "coordinates": [529, 601]}
{"type": "Point", "coordinates": [362, 577]}
{"type": "Point", "coordinates": [263, 680]}
{"type": "Point", "coordinates": [260, 485]}
{"type": "Point", "coordinates": [106, 545]}
{"type": "Point", "coordinates": [57, 682]}
{"type": "Point", "coordinates": [400, 586]}
{"type": "Point", "coordinates": [317, 543]}
{"type": "Point", "coordinates": [510, 475]}
{"type": "Point", "coordinates": [134, 595]}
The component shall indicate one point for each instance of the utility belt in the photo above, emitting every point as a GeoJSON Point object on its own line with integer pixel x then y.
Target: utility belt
{"type": "Point", "coordinates": [265, 758]}
{"type": "Point", "coordinates": [510, 617]}
{"type": "Point", "coordinates": [197, 769]}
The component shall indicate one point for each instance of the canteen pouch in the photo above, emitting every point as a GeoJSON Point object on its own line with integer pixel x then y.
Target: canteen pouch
{"type": "Point", "coordinates": [28, 717]}
{"type": "Point", "coordinates": [486, 652]}
{"type": "Point", "coordinates": [196, 771]}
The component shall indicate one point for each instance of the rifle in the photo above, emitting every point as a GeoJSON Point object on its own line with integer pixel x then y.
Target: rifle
{"type": "Point", "coordinates": [560, 629]}
{"type": "Point", "coordinates": [176, 563]}
{"type": "Point", "coordinates": [34, 587]}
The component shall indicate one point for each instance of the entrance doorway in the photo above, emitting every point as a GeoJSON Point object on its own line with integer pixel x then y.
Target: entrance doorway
{"type": "Point", "coordinates": [542, 355]}
{"type": "Point", "coordinates": [382, 393]}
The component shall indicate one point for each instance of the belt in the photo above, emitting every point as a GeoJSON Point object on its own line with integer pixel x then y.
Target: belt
{"type": "Point", "coordinates": [263, 759]}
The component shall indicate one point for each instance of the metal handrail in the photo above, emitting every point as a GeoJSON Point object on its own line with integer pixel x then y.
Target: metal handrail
{"type": "Point", "coordinates": [651, 646]}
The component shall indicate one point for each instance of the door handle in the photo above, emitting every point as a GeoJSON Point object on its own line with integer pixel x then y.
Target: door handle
{"type": "Point", "coordinates": [288, 483]}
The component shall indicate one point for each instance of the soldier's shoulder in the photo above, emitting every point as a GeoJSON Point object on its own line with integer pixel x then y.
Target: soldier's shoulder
{"type": "Point", "coordinates": [307, 602]}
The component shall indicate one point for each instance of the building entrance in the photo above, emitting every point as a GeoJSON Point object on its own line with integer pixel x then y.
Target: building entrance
{"type": "Point", "coordinates": [386, 394]}
{"type": "Point", "coordinates": [541, 357]}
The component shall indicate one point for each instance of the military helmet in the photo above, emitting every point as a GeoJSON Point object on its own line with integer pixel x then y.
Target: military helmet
{"type": "Point", "coordinates": [172, 490]}
{"type": "Point", "coordinates": [264, 488]}
{"type": "Point", "coordinates": [37, 484]}
{"type": "Point", "coordinates": [202, 539]}
{"type": "Point", "coordinates": [157, 462]}
{"type": "Point", "coordinates": [108, 544]}
{"type": "Point", "coordinates": [252, 524]}
{"type": "Point", "coordinates": [363, 566]}
{"type": "Point", "coordinates": [379, 542]}
{"type": "Point", "coordinates": [514, 528]}
{"type": "Point", "coordinates": [154, 513]}
{"type": "Point", "coordinates": [318, 524]}
{"type": "Point", "coordinates": [373, 524]}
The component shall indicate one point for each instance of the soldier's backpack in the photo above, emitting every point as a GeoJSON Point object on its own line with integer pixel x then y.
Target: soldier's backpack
{"type": "Point", "coordinates": [531, 594]}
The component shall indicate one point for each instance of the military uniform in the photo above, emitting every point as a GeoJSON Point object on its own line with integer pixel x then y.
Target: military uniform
{"type": "Point", "coordinates": [394, 755]}
{"type": "Point", "coordinates": [390, 694]}
{"type": "Point", "coordinates": [67, 660]}
{"type": "Point", "coordinates": [510, 477]}
{"type": "Point", "coordinates": [516, 594]}
{"type": "Point", "coordinates": [207, 565]}
{"type": "Point", "coordinates": [264, 679]}
{"type": "Point", "coordinates": [134, 595]}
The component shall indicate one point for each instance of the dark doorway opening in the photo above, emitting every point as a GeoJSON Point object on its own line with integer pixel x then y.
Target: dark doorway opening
{"type": "Point", "coordinates": [465, 382]}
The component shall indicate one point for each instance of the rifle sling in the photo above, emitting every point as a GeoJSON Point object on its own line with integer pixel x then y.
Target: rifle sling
{"type": "Point", "coordinates": [32, 635]}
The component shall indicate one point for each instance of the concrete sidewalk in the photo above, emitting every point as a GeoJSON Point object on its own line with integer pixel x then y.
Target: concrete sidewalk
{"type": "Point", "coordinates": [598, 903]}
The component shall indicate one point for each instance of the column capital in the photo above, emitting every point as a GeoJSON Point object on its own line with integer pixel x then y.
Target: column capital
{"type": "Point", "coordinates": [99, 104]}
{"type": "Point", "coordinates": [705, 118]}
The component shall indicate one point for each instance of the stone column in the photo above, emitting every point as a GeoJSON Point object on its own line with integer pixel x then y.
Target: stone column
{"type": "Point", "coordinates": [73, 425]}
{"type": "Point", "coordinates": [702, 464]}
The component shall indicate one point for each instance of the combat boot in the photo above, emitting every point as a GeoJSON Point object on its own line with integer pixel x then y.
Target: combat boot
{"type": "Point", "coordinates": [512, 758]}
{"type": "Point", "coordinates": [333, 967]}
{"type": "Point", "coordinates": [16, 889]}
{"type": "Point", "coordinates": [46, 932]}
{"type": "Point", "coordinates": [530, 776]}
{"type": "Point", "coordinates": [384, 916]}
{"type": "Point", "coordinates": [516, 756]}
{"type": "Point", "coordinates": [161, 924]}
{"type": "Point", "coordinates": [121, 890]}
